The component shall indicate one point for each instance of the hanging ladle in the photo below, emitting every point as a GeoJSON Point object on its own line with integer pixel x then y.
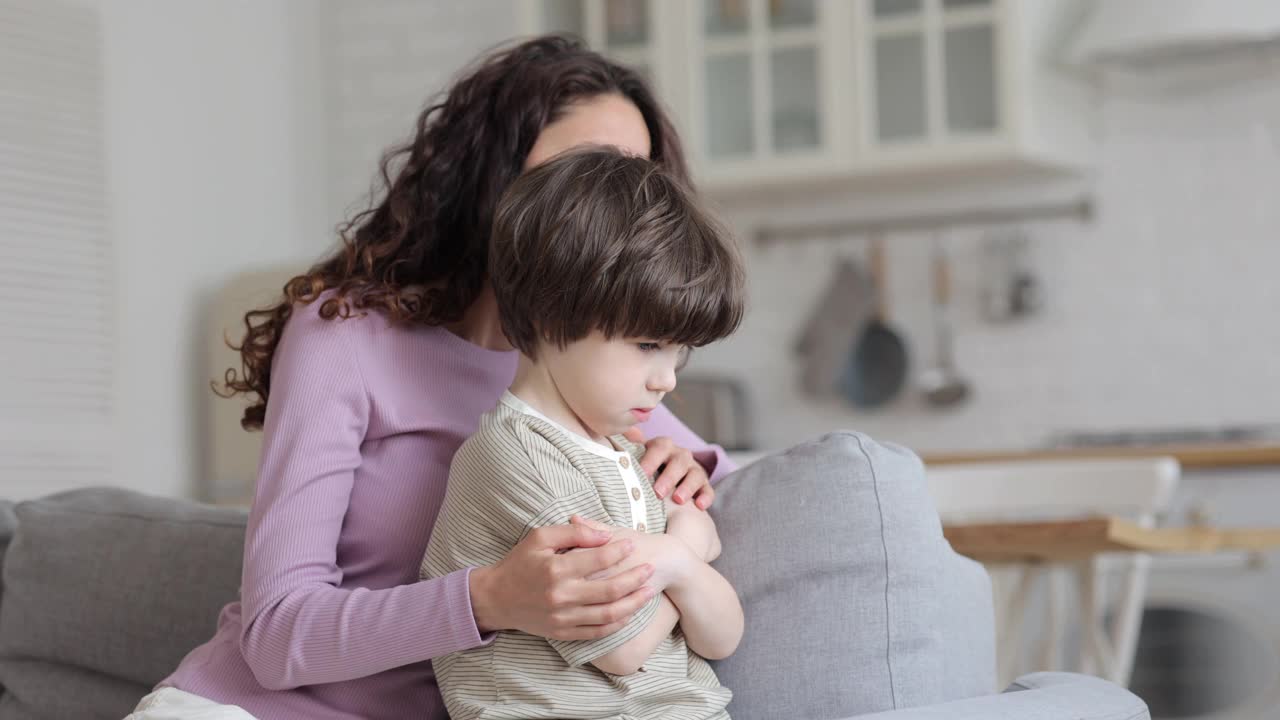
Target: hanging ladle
{"type": "Point", "coordinates": [941, 384]}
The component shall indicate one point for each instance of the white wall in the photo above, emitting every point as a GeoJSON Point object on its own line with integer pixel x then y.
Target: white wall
{"type": "Point", "coordinates": [217, 164]}
{"type": "Point", "coordinates": [388, 59]}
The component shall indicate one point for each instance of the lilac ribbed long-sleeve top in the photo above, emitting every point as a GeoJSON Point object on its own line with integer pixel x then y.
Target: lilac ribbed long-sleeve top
{"type": "Point", "coordinates": [363, 421]}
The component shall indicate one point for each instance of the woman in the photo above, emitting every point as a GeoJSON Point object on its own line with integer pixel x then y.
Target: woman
{"type": "Point", "coordinates": [368, 375]}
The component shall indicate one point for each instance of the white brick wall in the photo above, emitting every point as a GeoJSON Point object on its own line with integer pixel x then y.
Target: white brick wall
{"type": "Point", "coordinates": [388, 58]}
{"type": "Point", "coordinates": [1158, 313]}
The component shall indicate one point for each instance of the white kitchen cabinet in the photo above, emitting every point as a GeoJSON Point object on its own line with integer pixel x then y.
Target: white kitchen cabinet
{"type": "Point", "coordinates": [773, 92]}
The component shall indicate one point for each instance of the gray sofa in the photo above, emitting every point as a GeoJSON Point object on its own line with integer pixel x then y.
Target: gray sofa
{"type": "Point", "coordinates": [855, 604]}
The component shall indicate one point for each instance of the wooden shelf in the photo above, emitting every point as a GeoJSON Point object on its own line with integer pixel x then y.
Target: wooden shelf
{"type": "Point", "coordinates": [1074, 540]}
{"type": "Point", "coordinates": [1190, 456]}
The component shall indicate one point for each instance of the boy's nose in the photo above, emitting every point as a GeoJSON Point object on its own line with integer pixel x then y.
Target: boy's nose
{"type": "Point", "coordinates": [663, 381]}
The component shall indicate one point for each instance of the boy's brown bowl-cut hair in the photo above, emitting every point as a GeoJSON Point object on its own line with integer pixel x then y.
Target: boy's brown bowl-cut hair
{"type": "Point", "coordinates": [596, 240]}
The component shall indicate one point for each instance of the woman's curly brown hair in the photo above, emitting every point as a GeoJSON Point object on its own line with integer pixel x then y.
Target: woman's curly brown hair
{"type": "Point", "coordinates": [419, 255]}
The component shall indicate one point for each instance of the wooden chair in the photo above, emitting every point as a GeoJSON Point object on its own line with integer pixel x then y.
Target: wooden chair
{"type": "Point", "coordinates": [1138, 489]}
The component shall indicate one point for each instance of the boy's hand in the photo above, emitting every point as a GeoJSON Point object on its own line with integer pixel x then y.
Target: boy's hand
{"type": "Point", "coordinates": [672, 560]}
{"type": "Point", "coordinates": [696, 528]}
{"type": "Point", "coordinates": [682, 477]}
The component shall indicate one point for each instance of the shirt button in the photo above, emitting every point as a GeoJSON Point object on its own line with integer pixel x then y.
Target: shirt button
{"type": "Point", "coordinates": [635, 493]}
{"type": "Point", "coordinates": [624, 462]}
{"type": "Point", "coordinates": [640, 526]}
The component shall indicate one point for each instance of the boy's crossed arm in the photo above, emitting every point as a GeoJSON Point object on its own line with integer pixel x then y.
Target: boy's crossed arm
{"type": "Point", "coordinates": [710, 612]}
{"type": "Point", "coordinates": [696, 596]}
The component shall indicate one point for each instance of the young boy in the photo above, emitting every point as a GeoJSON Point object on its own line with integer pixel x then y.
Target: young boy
{"type": "Point", "coordinates": [605, 271]}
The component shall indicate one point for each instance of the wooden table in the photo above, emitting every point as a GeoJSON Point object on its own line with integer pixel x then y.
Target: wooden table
{"type": "Point", "coordinates": [1063, 541]}
{"type": "Point", "coordinates": [1074, 544]}
{"type": "Point", "coordinates": [1200, 455]}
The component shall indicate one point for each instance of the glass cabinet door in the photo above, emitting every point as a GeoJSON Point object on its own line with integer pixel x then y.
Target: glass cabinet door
{"type": "Point", "coordinates": [935, 70]}
{"type": "Point", "coordinates": [760, 77]}
{"type": "Point", "coordinates": [621, 29]}
{"type": "Point", "coordinates": [728, 78]}
{"type": "Point", "coordinates": [969, 58]}
{"type": "Point", "coordinates": [794, 108]}
{"type": "Point", "coordinates": [564, 16]}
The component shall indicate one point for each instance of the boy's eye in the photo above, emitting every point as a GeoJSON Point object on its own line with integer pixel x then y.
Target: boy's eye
{"type": "Point", "coordinates": [649, 346]}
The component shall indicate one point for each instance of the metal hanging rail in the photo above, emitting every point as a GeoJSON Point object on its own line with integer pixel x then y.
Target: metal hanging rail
{"type": "Point", "coordinates": [1081, 210]}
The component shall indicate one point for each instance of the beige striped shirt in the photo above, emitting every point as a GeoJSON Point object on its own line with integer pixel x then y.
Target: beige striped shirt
{"type": "Point", "coordinates": [522, 471]}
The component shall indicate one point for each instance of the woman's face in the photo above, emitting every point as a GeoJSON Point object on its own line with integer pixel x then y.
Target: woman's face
{"type": "Point", "coordinates": [610, 120]}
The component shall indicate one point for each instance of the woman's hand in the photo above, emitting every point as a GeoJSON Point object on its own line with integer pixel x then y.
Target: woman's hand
{"type": "Point", "coordinates": [672, 560]}
{"type": "Point", "coordinates": [579, 595]}
{"type": "Point", "coordinates": [679, 470]}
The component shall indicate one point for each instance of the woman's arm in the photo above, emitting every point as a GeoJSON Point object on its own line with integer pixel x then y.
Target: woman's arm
{"type": "Point", "coordinates": [300, 628]}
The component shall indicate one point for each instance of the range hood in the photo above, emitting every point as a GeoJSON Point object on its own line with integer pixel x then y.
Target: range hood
{"type": "Point", "coordinates": [1144, 32]}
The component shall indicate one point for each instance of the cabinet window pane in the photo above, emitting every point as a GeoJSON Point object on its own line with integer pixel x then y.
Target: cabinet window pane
{"type": "Point", "coordinates": [900, 87]}
{"type": "Point", "coordinates": [564, 16]}
{"type": "Point", "coordinates": [886, 8]}
{"type": "Point", "coordinates": [626, 22]}
{"type": "Point", "coordinates": [795, 98]}
{"type": "Point", "coordinates": [725, 17]}
{"type": "Point", "coordinates": [791, 13]}
{"type": "Point", "coordinates": [730, 129]}
{"type": "Point", "coordinates": [971, 78]}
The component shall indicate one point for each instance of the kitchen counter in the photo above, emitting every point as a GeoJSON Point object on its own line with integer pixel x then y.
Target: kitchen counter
{"type": "Point", "coordinates": [1217, 455]}
{"type": "Point", "coordinates": [1071, 539]}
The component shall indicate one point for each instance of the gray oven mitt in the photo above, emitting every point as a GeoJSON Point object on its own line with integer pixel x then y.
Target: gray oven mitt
{"type": "Point", "coordinates": [842, 311]}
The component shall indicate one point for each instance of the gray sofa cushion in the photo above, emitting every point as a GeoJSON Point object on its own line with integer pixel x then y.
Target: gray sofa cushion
{"type": "Point", "coordinates": [105, 591]}
{"type": "Point", "coordinates": [854, 601]}
{"type": "Point", "coordinates": [8, 523]}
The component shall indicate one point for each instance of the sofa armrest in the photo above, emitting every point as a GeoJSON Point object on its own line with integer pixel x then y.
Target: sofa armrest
{"type": "Point", "coordinates": [1043, 696]}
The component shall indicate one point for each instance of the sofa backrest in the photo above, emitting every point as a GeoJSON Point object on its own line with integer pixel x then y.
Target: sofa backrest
{"type": "Point", "coordinates": [855, 603]}
{"type": "Point", "coordinates": [105, 591]}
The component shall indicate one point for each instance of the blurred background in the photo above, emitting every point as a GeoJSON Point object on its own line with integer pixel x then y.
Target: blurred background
{"type": "Point", "coordinates": [985, 229]}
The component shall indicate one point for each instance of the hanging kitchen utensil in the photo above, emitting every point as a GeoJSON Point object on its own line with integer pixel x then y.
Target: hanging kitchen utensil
{"type": "Point", "coordinates": [836, 323]}
{"type": "Point", "coordinates": [1009, 286]}
{"type": "Point", "coordinates": [1024, 295]}
{"type": "Point", "coordinates": [941, 384]}
{"type": "Point", "coordinates": [878, 362]}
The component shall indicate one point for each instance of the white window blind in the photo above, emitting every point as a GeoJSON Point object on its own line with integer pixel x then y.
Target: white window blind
{"type": "Point", "coordinates": [57, 297]}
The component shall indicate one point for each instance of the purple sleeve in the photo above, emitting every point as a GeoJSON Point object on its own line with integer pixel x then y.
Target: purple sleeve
{"type": "Point", "coordinates": [711, 457]}
{"type": "Point", "coordinates": [300, 628]}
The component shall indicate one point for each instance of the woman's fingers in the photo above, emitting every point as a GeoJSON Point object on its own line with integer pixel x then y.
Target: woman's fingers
{"type": "Point", "coordinates": [601, 619]}
{"type": "Point", "coordinates": [565, 537]}
{"type": "Point", "coordinates": [705, 496]}
{"type": "Point", "coordinates": [593, 524]}
{"type": "Point", "coordinates": [586, 563]}
{"type": "Point", "coordinates": [613, 589]}
{"type": "Point", "coordinates": [588, 632]}
{"type": "Point", "coordinates": [677, 475]}
{"type": "Point", "coordinates": [656, 453]}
